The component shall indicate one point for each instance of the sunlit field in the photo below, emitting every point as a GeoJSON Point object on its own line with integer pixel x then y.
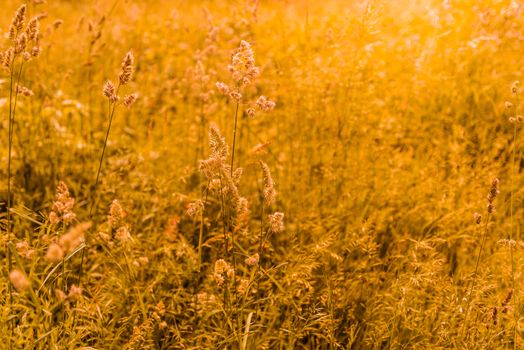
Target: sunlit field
{"type": "Point", "coordinates": [272, 174]}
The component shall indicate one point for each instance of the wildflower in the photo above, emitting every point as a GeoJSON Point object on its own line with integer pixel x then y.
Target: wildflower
{"type": "Point", "coordinates": [250, 113]}
{"type": "Point", "coordinates": [62, 206]}
{"type": "Point", "coordinates": [214, 185]}
{"type": "Point", "coordinates": [252, 260]}
{"type": "Point", "coordinates": [54, 253]}
{"type": "Point", "coordinates": [242, 212]}
{"type": "Point", "coordinates": [75, 292]}
{"type": "Point", "coordinates": [276, 222]}
{"type": "Point", "coordinates": [217, 143]}
{"type": "Point", "coordinates": [264, 104]}
{"type": "Point", "coordinates": [123, 234]}
{"type": "Point", "coordinates": [130, 99]}
{"type": "Point", "coordinates": [505, 303]}
{"type": "Point", "coordinates": [127, 69]}
{"type": "Point", "coordinates": [7, 58]}
{"type": "Point", "coordinates": [222, 269]}
{"type": "Point", "coordinates": [74, 237]}
{"type": "Point", "coordinates": [33, 28]}
{"type": "Point", "coordinates": [222, 88]}
{"type": "Point", "coordinates": [110, 92]}
{"type": "Point", "coordinates": [493, 192]}
{"type": "Point", "coordinates": [60, 295]}
{"type": "Point", "coordinates": [35, 51]}
{"type": "Point", "coordinates": [269, 185]}
{"type": "Point", "coordinates": [25, 91]}
{"type": "Point", "coordinates": [23, 249]}
{"type": "Point", "coordinates": [116, 214]}
{"type": "Point", "coordinates": [242, 67]}
{"type": "Point", "coordinates": [210, 167]}
{"type": "Point", "coordinates": [478, 218]}
{"type": "Point", "coordinates": [237, 174]}
{"type": "Point", "coordinates": [194, 208]}
{"type": "Point", "coordinates": [515, 87]}
{"type": "Point", "coordinates": [243, 285]}
{"type": "Point", "coordinates": [235, 95]}
{"type": "Point", "coordinates": [19, 280]}
{"type": "Point", "coordinates": [494, 315]}
{"type": "Point", "coordinates": [19, 18]}
{"type": "Point", "coordinates": [20, 43]}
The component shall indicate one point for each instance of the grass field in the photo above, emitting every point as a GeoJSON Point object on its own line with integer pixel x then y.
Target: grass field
{"type": "Point", "coordinates": [273, 174]}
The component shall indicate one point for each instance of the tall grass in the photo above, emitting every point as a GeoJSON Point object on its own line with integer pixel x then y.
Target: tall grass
{"type": "Point", "coordinates": [293, 175]}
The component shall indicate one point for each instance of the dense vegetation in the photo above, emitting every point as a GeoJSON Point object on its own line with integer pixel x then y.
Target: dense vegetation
{"type": "Point", "coordinates": [261, 175]}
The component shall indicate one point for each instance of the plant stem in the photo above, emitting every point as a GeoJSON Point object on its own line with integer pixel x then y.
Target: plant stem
{"type": "Point", "coordinates": [12, 112]}
{"type": "Point", "coordinates": [234, 138]}
{"type": "Point", "coordinates": [9, 257]}
{"type": "Point", "coordinates": [111, 112]}
{"type": "Point", "coordinates": [511, 231]}
{"type": "Point", "coordinates": [201, 231]}
{"type": "Point", "coordinates": [483, 242]}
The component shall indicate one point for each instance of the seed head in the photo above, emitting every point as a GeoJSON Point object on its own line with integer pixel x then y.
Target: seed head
{"type": "Point", "coordinates": [19, 280]}
{"type": "Point", "coordinates": [276, 222]}
{"type": "Point", "coordinates": [217, 143]}
{"type": "Point", "coordinates": [33, 28]}
{"type": "Point", "coordinates": [492, 194]}
{"type": "Point", "coordinates": [129, 100]}
{"type": "Point", "coordinates": [269, 185]}
{"type": "Point", "coordinates": [116, 214]}
{"type": "Point", "coordinates": [222, 88]}
{"type": "Point", "coordinates": [62, 206]}
{"type": "Point", "coordinates": [515, 87]}
{"type": "Point", "coordinates": [478, 218]}
{"type": "Point", "coordinates": [264, 104]}
{"type": "Point", "coordinates": [110, 91]}
{"type": "Point", "coordinates": [252, 260]}
{"type": "Point", "coordinates": [35, 51]}
{"type": "Point", "coordinates": [222, 270]}
{"type": "Point", "coordinates": [19, 18]}
{"type": "Point", "coordinates": [55, 253]}
{"type": "Point", "coordinates": [127, 69]}
{"type": "Point", "coordinates": [74, 237]}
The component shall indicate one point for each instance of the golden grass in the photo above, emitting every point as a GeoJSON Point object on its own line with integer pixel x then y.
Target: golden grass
{"type": "Point", "coordinates": [272, 175]}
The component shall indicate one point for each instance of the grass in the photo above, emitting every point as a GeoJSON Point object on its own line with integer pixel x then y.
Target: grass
{"type": "Point", "coordinates": [261, 175]}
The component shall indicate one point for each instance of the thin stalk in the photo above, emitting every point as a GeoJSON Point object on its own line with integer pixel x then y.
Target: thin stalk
{"type": "Point", "coordinates": [201, 231]}
{"type": "Point", "coordinates": [12, 112]}
{"type": "Point", "coordinates": [111, 112]}
{"type": "Point", "coordinates": [9, 257]}
{"type": "Point", "coordinates": [260, 245]}
{"type": "Point", "coordinates": [511, 232]}
{"type": "Point", "coordinates": [511, 203]}
{"type": "Point", "coordinates": [223, 208]}
{"type": "Point", "coordinates": [483, 242]}
{"type": "Point", "coordinates": [231, 174]}
{"type": "Point", "coordinates": [234, 138]}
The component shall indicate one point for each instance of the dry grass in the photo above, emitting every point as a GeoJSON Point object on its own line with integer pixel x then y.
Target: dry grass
{"type": "Point", "coordinates": [280, 175]}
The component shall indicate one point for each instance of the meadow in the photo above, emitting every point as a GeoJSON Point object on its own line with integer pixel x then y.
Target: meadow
{"type": "Point", "coordinates": [273, 174]}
